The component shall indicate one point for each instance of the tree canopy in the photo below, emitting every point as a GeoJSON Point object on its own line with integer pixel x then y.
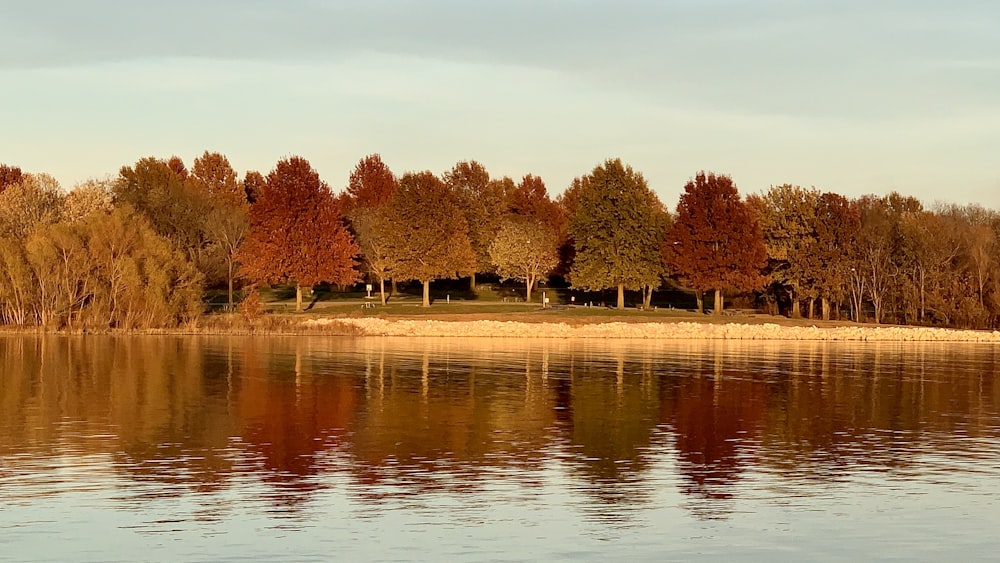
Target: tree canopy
{"type": "Point", "coordinates": [617, 226]}
{"type": "Point", "coordinates": [296, 232]}
{"type": "Point", "coordinates": [429, 238]}
{"type": "Point", "coordinates": [715, 242]}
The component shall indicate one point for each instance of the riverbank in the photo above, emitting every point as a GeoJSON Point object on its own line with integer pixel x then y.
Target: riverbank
{"type": "Point", "coordinates": [647, 330]}
{"type": "Point", "coordinates": [559, 326]}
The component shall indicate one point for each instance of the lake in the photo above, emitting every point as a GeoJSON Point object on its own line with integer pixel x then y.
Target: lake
{"type": "Point", "coordinates": [384, 449]}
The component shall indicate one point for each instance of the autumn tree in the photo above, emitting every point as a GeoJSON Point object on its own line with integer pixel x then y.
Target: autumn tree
{"type": "Point", "coordinates": [176, 208]}
{"type": "Point", "coordinates": [296, 234]}
{"type": "Point", "coordinates": [787, 218]}
{"type": "Point", "coordinates": [227, 222]}
{"type": "Point", "coordinates": [524, 249]}
{"type": "Point", "coordinates": [64, 272]}
{"type": "Point", "coordinates": [9, 175]}
{"type": "Point", "coordinates": [90, 196]}
{"type": "Point", "coordinates": [930, 243]}
{"type": "Point", "coordinates": [212, 173]}
{"type": "Point", "coordinates": [616, 227]}
{"type": "Point", "coordinates": [17, 283]}
{"type": "Point", "coordinates": [253, 185]}
{"type": "Point", "coordinates": [140, 280]}
{"type": "Point", "coordinates": [715, 242]}
{"type": "Point", "coordinates": [836, 223]}
{"type": "Point", "coordinates": [371, 183]}
{"type": "Point", "coordinates": [36, 199]}
{"type": "Point", "coordinates": [373, 230]}
{"type": "Point", "coordinates": [482, 202]}
{"type": "Point", "coordinates": [430, 240]}
{"type": "Point", "coordinates": [370, 188]}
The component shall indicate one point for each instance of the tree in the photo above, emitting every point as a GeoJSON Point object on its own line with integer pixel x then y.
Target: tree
{"type": "Point", "coordinates": [140, 279]}
{"type": "Point", "coordinates": [296, 234]}
{"type": "Point", "coordinates": [715, 242]}
{"type": "Point", "coordinates": [227, 227]}
{"type": "Point", "coordinates": [430, 237]}
{"type": "Point", "coordinates": [524, 249]}
{"type": "Point", "coordinates": [371, 183]}
{"type": "Point", "coordinates": [176, 208]}
{"type": "Point", "coordinates": [837, 221]}
{"type": "Point", "coordinates": [37, 199]}
{"type": "Point", "coordinates": [929, 246]}
{"type": "Point", "coordinates": [90, 196]}
{"type": "Point", "coordinates": [213, 174]}
{"type": "Point", "coordinates": [787, 218]}
{"type": "Point", "coordinates": [17, 283]}
{"type": "Point", "coordinates": [531, 199]}
{"type": "Point", "coordinates": [483, 203]}
{"type": "Point", "coordinates": [227, 220]}
{"type": "Point", "coordinates": [63, 270]}
{"type": "Point", "coordinates": [9, 175]}
{"type": "Point", "coordinates": [373, 230]}
{"type": "Point", "coordinates": [617, 227]}
{"type": "Point", "coordinates": [253, 184]}
{"type": "Point", "coordinates": [370, 188]}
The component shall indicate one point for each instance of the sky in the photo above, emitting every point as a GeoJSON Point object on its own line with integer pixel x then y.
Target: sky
{"type": "Point", "coordinates": [849, 96]}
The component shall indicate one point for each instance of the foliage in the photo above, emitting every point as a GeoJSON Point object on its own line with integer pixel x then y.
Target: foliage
{"type": "Point", "coordinates": [35, 200]}
{"type": "Point", "coordinates": [715, 242]}
{"type": "Point", "coordinates": [9, 175]}
{"type": "Point", "coordinates": [524, 249]}
{"type": "Point", "coordinates": [617, 226]}
{"type": "Point", "coordinates": [371, 184]}
{"type": "Point", "coordinates": [91, 196]}
{"type": "Point", "coordinates": [837, 222]}
{"type": "Point", "coordinates": [296, 232]}
{"type": "Point", "coordinates": [430, 236]}
{"type": "Point", "coordinates": [787, 218]}
{"type": "Point", "coordinates": [483, 204]}
{"type": "Point", "coordinates": [373, 231]}
{"type": "Point", "coordinates": [213, 174]}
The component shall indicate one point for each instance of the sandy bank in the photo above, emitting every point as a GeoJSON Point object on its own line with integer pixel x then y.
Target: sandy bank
{"type": "Point", "coordinates": [674, 331]}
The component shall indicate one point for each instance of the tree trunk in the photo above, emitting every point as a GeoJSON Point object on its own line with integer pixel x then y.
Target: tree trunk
{"type": "Point", "coordinates": [298, 298]}
{"type": "Point", "coordinates": [427, 293]}
{"type": "Point", "coordinates": [381, 289]}
{"type": "Point", "coordinates": [825, 305]}
{"type": "Point", "coordinates": [529, 282]}
{"type": "Point", "coordinates": [647, 298]}
{"type": "Point", "coordinates": [796, 311]}
{"type": "Point", "coordinates": [812, 307]}
{"type": "Point", "coordinates": [621, 297]}
{"type": "Point", "coordinates": [472, 282]}
{"type": "Point", "coordinates": [719, 303]}
{"type": "Point", "coordinates": [395, 289]}
{"type": "Point", "coordinates": [230, 285]}
{"type": "Point", "coordinates": [699, 298]}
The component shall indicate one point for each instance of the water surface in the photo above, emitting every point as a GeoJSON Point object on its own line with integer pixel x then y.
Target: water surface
{"type": "Point", "coordinates": [281, 448]}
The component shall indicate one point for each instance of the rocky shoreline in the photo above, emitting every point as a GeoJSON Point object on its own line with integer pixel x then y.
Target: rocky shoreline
{"type": "Point", "coordinates": [652, 330]}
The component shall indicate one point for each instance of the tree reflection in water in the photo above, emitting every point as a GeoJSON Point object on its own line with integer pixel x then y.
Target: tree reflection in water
{"type": "Point", "coordinates": [617, 427]}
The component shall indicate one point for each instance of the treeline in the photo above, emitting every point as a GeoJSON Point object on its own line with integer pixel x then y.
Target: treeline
{"type": "Point", "coordinates": [140, 249]}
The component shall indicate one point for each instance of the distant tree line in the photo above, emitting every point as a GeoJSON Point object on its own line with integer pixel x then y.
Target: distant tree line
{"type": "Point", "coordinates": [139, 250]}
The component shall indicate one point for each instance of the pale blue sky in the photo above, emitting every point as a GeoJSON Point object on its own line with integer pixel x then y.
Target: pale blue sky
{"type": "Point", "coordinates": [849, 96]}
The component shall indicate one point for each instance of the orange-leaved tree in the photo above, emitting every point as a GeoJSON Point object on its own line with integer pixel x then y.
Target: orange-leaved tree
{"type": "Point", "coordinates": [296, 234]}
{"type": "Point", "coordinates": [371, 184]}
{"type": "Point", "coordinates": [715, 241]}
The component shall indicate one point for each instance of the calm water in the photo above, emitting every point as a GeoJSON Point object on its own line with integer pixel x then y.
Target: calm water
{"type": "Point", "coordinates": [163, 448]}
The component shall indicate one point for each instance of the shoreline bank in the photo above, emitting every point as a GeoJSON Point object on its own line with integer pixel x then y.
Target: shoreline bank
{"type": "Point", "coordinates": [652, 330]}
{"type": "Point", "coordinates": [376, 327]}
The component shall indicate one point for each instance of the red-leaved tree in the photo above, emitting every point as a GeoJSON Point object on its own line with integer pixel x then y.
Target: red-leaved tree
{"type": "Point", "coordinates": [715, 242]}
{"type": "Point", "coordinates": [296, 234]}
